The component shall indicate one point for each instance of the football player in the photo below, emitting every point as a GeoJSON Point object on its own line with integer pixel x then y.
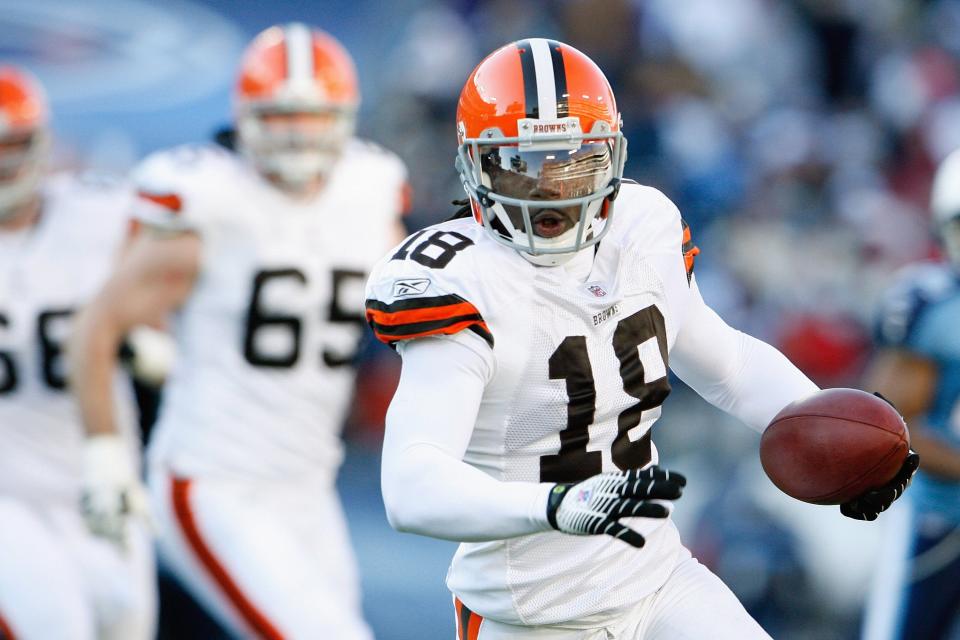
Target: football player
{"type": "Point", "coordinates": [917, 367]}
{"type": "Point", "coordinates": [58, 239]}
{"type": "Point", "coordinates": [263, 254]}
{"type": "Point", "coordinates": [536, 332]}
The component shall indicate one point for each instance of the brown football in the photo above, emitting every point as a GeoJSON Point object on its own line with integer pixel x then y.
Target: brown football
{"type": "Point", "coordinates": [834, 445]}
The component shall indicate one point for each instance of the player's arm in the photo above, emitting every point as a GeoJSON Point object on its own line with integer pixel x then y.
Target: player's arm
{"type": "Point", "coordinates": [735, 372]}
{"type": "Point", "coordinates": [153, 276]}
{"type": "Point", "coordinates": [909, 381]}
{"type": "Point", "coordinates": [428, 488]}
{"type": "Point", "coordinates": [753, 381]}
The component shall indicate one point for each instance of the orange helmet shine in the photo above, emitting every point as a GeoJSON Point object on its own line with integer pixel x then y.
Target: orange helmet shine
{"type": "Point", "coordinates": [538, 130]}
{"type": "Point", "coordinates": [24, 137]}
{"type": "Point", "coordinates": [296, 99]}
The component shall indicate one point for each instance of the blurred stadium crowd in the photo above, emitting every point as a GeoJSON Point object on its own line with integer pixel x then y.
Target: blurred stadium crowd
{"type": "Point", "coordinates": [798, 138]}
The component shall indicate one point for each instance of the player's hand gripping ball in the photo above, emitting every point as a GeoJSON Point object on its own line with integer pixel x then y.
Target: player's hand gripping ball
{"type": "Point", "coordinates": [840, 446]}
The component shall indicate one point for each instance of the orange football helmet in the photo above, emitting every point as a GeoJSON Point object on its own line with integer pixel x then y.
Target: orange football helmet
{"type": "Point", "coordinates": [24, 137]}
{"type": "Point", "coordinates": [296, 100]}
{"type": "Point", "coordinates": [541, 153]}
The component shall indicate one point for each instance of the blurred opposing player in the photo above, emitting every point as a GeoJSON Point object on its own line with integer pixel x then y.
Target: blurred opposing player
{"type": "Point", "coordinates": [917, 367]}
{"type": "Point", "coordinates": [263, 254]}
{"type": "Point", "coordinates": [58, 239]}
{"type": "Point", "coordinates": [536, 333]}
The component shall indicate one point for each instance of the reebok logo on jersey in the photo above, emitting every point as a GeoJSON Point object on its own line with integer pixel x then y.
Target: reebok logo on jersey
{"type": "Point", "coordinates": [411, 287]}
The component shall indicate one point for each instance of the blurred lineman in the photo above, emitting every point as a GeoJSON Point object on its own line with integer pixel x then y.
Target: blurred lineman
{"type": "Point", "coordinates": [917, 596]}
{"type": "Point", "coordinates": [539, 325]}
{"type": "Point", "coordinates": [263, 254]}
{"type": "Point", "coordinates": [59, 237]}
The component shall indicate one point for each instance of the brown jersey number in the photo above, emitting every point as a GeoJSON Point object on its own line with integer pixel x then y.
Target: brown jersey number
{"type": "Point", "coordinates": [571, 362]}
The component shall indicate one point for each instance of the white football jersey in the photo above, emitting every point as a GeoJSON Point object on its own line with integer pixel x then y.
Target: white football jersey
{"type": "Point", "coordinates": [579, 375]}
{"type": "Point", "coordinates": [47, 271]}
{"type": "Point", "coordinates": [265, 340]}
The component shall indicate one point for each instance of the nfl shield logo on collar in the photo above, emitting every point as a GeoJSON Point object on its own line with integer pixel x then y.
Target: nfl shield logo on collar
{"type": "Point", "coordinates": [596, 290]}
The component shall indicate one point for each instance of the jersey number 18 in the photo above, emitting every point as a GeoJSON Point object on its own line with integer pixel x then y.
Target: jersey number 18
{"type": "Point", "coordinates": [571, 362]}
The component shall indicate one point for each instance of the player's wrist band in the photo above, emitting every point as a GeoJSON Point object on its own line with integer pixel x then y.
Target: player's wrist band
{"type": "Point", "coordinates": [553, 502]}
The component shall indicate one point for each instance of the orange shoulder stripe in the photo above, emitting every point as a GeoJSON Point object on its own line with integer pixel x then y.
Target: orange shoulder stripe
{"type": "Point", "coordinates": [688, 258]}
{"type": "Point", "coordinates": [447, 330]}
{"type": "Point", "coordinates": [411, 318]}
{"type": "Point", "coordinates": [422, 315]}
{"type": "Point", "coordinates": [690, 251]}
{"type": "Point", "coordinates": [170, 201]}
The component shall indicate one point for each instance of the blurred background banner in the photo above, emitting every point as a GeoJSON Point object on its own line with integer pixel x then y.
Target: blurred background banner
{"type": "Point", "coordinates": [798, 138]}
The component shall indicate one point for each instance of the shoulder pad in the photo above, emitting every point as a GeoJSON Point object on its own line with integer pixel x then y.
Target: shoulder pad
{"type": "Point", "coordinates": [96, 180]}
{"type": "Point", "coordinates": [647, 223]}
{"type": "Point", "coordinates": [646, 216]}
{"type": "Point", "coordinates": [423, 287]}
{"type": "Point", "coordinates": [181, 163]}
{"type": "Point", "coordinates": [88, 184]}
{"type": "Point", "coordinates": [361, 145]}
{"type": "Point", "coordinates": [374, 157]}
{"type": "Point", "coordinates": [367, 162]}
{"type": "Point", "coordinates": [167, 183]}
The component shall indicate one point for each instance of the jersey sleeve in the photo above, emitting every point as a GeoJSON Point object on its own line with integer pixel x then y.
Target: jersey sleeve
{"type": "Point", "coordinates": [167, 196]}
{"type": "Point", "coordinates": [455, 500]}
{"type": "Point", "coordinates": [652, 226]}
{"type": "Point", "coordinates": [735, 372]}
{"type": "Point", "coordinates": [407, 300]}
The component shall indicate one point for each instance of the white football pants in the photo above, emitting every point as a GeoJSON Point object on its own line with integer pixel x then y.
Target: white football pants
{"type": "Point", "coordinates": [267, 561]}
{"type": "Point", "coordinates": [693, 604]}
{"type": "Point", "coordinates": [60, 582]}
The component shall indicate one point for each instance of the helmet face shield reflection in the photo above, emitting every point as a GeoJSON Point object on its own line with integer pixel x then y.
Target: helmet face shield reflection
{"type": "Point", "coordinates": [571, 173]}
{"type": "Point", "coordinates": [543, 199]}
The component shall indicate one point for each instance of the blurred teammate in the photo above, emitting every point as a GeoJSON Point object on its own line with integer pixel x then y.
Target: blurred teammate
{"type": "Point", "coordinates": [58, 239]}
{"type": "Point", "coordinates": [263, 255]}
{"type": "Point", "coordinates": [535, 352]}
{"type": "Point", "coordinates": [917, 367]}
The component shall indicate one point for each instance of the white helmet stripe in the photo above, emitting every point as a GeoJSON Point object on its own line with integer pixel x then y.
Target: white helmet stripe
{"type": "Point", "coordinates": [546, 86]}
{"type": "Point", "coordinates": [299, 50]}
